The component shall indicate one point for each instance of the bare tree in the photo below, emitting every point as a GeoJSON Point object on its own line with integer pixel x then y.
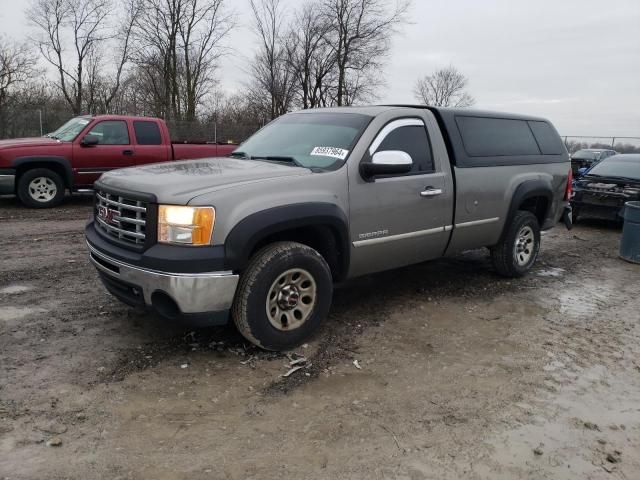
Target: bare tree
{"type": "Point", "coordinates": [311, 56]}
{"type": "Point", "coordinates": [71, 36]}
{"type": "Point", "coordinates": [122, 54]}
{"type": "Point", "coordinates": [85, 22]}
{"type": "Point", "coordinates": [179, 43]}
{"type": "Point", "coordinates": [17, 64]}
{"type": "Point", "coordinates": [272, 77]}
{"type": "Point", "coordinates": [361, 32]}
{"type": "Point", "coordinates": [445, 88]}
{"type": "Point", "coordinates": [204, 27]}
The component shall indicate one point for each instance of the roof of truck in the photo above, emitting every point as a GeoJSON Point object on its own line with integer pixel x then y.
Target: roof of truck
{"type": "Point", "coordinates": [374, 110]}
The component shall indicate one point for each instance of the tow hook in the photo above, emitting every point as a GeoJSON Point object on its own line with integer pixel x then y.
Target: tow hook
{"type": "Point", "coordinates": [566, 217]}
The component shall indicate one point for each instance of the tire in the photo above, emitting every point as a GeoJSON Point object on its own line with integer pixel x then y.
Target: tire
{"type": "Point", "coordinates": [283, 296]}
{"type": "Point", "coordinates": [40, 188]}
{"type": "Point", "coordinates": [574, 215]}
{"type": "Point", "coordinates": [518, 249]}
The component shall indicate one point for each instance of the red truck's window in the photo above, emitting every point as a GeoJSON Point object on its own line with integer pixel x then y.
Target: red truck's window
{"type": "Point", "coordinates": [147, 133]}
{"type": "Point", "coordinates": [111, 132]}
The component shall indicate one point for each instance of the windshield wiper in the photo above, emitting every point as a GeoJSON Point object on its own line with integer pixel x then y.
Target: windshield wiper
{"type": "Point", "coordinates": [278, 158]}
{"type": "Point", "coordinates": [240, 155]}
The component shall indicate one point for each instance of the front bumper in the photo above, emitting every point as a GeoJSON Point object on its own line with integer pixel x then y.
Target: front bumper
{"type": "Point", "coordinates": [602, 205]}
{"type": "Point", "coordinates": [173, 295]}
{"type": "Point", "coordinates": [602, 212]}
{"type": "Point", "coordinates": [7, 183]}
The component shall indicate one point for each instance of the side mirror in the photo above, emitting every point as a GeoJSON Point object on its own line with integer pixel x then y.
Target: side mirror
{"type": "Point", "coordinates": [391, 162]}
{"type": "Point", "coordinates": [89, 140]}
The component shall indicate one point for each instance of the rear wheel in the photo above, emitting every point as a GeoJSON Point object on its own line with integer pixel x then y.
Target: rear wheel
{"type": "Point", "coordinates": [40, 188]}
{"type": "Point", "coordinates": [518, 250]}
{"type": "Point", "coordinates": [283, 295]}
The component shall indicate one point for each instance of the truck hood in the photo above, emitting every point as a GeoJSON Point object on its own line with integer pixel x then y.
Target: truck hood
{"type": "Point", "coordinates": [179, 182]}
{"type": "Point", "coordinates": [29, 142]}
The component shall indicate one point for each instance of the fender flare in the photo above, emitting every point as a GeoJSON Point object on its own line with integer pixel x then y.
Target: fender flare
{"type": "Point", "coordinates": [42, 160]}
{"type": "Point", "coordinates": [246, 234]}
{"type": "Point", "coordinates": [529, 189]}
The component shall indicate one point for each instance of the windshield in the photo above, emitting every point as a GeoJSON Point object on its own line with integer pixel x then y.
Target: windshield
{"type": "Point", "coordinates": [312, 140]}
{"type": "Point", "coordinates": [586, 155]}
{"type": "Point", "coordinates": [70, 130]}
{"type": "Point", "coordinates": [619, 168]}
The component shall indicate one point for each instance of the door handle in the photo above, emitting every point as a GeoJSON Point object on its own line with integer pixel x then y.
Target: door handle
{"type": "Point", "coordinates": [127, 152]}
{"type": "Point", "coordinates": [431, 192]}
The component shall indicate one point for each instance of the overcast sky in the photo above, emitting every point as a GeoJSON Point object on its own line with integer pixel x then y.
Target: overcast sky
{"type": "Point", "coordinates": [576, 62]}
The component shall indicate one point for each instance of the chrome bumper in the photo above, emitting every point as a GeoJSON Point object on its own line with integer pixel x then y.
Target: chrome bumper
{"type": "Point", "coordinates": [192, 292]}
{"type": "Point", "coordinates": [7, 184]}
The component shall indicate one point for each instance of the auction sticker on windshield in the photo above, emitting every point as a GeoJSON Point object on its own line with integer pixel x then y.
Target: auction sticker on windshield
{"type": "Point", "coordinates": [334, 152]}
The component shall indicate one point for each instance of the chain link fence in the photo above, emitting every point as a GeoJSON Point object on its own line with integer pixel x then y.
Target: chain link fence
{"type": "Point", "coordinates": [619, 144]}
{"type": "Point", "coordinates": [38, 122]}
{"type": "Point", "coordinates": [211, 131]}
{"type": "Point", "coordinates": [17, 123]}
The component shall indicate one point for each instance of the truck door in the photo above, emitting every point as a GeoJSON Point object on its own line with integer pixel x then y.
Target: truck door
{"type": "Point", "coordinates": [112, 150]}
{"type": "Point", "coordinates": [150, 147]}
{"type": "Point", "coordinates": [402, 219]}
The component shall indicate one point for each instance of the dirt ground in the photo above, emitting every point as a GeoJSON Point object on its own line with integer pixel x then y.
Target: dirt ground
{"type": "Point", "coordinates": [463, 374]}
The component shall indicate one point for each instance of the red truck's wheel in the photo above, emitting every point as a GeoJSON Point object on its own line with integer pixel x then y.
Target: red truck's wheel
{"type": "Point", "coordinates": [283, 295]}
{"type": "Point", "coordinates": [40, 188]}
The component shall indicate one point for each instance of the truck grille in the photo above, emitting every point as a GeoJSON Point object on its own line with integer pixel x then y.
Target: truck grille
{"type": "Point", "coordinates": [121, 218]}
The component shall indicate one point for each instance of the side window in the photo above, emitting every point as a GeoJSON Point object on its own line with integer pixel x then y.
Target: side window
{"type": "Point", "coordinates": [413, 140]}
{"type": "Point", "coordinates": [147, 133]}
{"type": "Point", "coordinates": [548, 140]}
{"type": "Point", "coordinates": [111, 132]}
{"type": "Point", "coordinates": [496, 137]}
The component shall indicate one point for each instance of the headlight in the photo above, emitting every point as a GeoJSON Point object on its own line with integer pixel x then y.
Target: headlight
{"type": "Point", "coordinates": [185, 225]}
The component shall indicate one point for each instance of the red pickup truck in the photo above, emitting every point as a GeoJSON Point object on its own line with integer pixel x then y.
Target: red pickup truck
{"type": "Point", "coordinates": [39, 170]}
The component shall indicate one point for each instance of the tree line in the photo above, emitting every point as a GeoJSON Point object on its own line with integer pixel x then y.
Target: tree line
{"type": "Point", "coordinates": [164, 58]}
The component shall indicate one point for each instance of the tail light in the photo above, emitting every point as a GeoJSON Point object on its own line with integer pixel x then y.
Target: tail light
{"type": "Point", "coordinates": [569, 189]}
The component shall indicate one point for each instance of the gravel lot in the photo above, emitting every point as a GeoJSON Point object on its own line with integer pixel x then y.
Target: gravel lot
{"type": "Point", "coordinates": [463, 374]}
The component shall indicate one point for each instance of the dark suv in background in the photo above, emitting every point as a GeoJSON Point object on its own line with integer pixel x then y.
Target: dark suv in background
{"type": "Point", "coordinates": [605, 188]}
{"type": "Point", "coordinates": [588, 157]}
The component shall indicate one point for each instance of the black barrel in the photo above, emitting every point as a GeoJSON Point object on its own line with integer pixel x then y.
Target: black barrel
{"type": "Point", "coordinates": [630, 244]}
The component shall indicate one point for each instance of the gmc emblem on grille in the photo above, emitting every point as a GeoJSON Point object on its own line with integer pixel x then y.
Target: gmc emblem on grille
{"type": "Point", "coordinates": [108, 214]}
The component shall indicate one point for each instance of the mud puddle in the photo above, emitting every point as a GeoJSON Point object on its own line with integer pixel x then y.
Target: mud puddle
{"type": "Point", "coordinates": [9, 313]}
{"type": "Point", "coordinates": [14, 289]}
{"type": "Point", "coordinates": [586, 298]}
{"type": "Point", "coordinates": [588, 429]}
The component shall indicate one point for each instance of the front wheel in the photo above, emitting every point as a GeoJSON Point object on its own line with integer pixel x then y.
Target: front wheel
{"type": "Point", "coordinates": [283, 296]}
{"type": "Point", "coordinates": [518, 249]}
{"type": "Point", "coordinates": [40, 188]}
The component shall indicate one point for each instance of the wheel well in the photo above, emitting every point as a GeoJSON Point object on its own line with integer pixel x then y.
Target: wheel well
{"type": "Point", "coordinates": [323, 238]}
{"type": "Point", "coordinates": [55, 167]}
{"type": "Point", "coordinates": [538, 205]}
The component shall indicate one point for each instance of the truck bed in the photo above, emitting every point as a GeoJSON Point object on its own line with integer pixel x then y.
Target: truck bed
{"type": "Point", "coordinates": [183, 151]}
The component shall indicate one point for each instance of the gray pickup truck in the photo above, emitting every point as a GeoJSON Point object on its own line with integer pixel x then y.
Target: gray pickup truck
{"type": "Point", "coordinates": [320, 196]}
